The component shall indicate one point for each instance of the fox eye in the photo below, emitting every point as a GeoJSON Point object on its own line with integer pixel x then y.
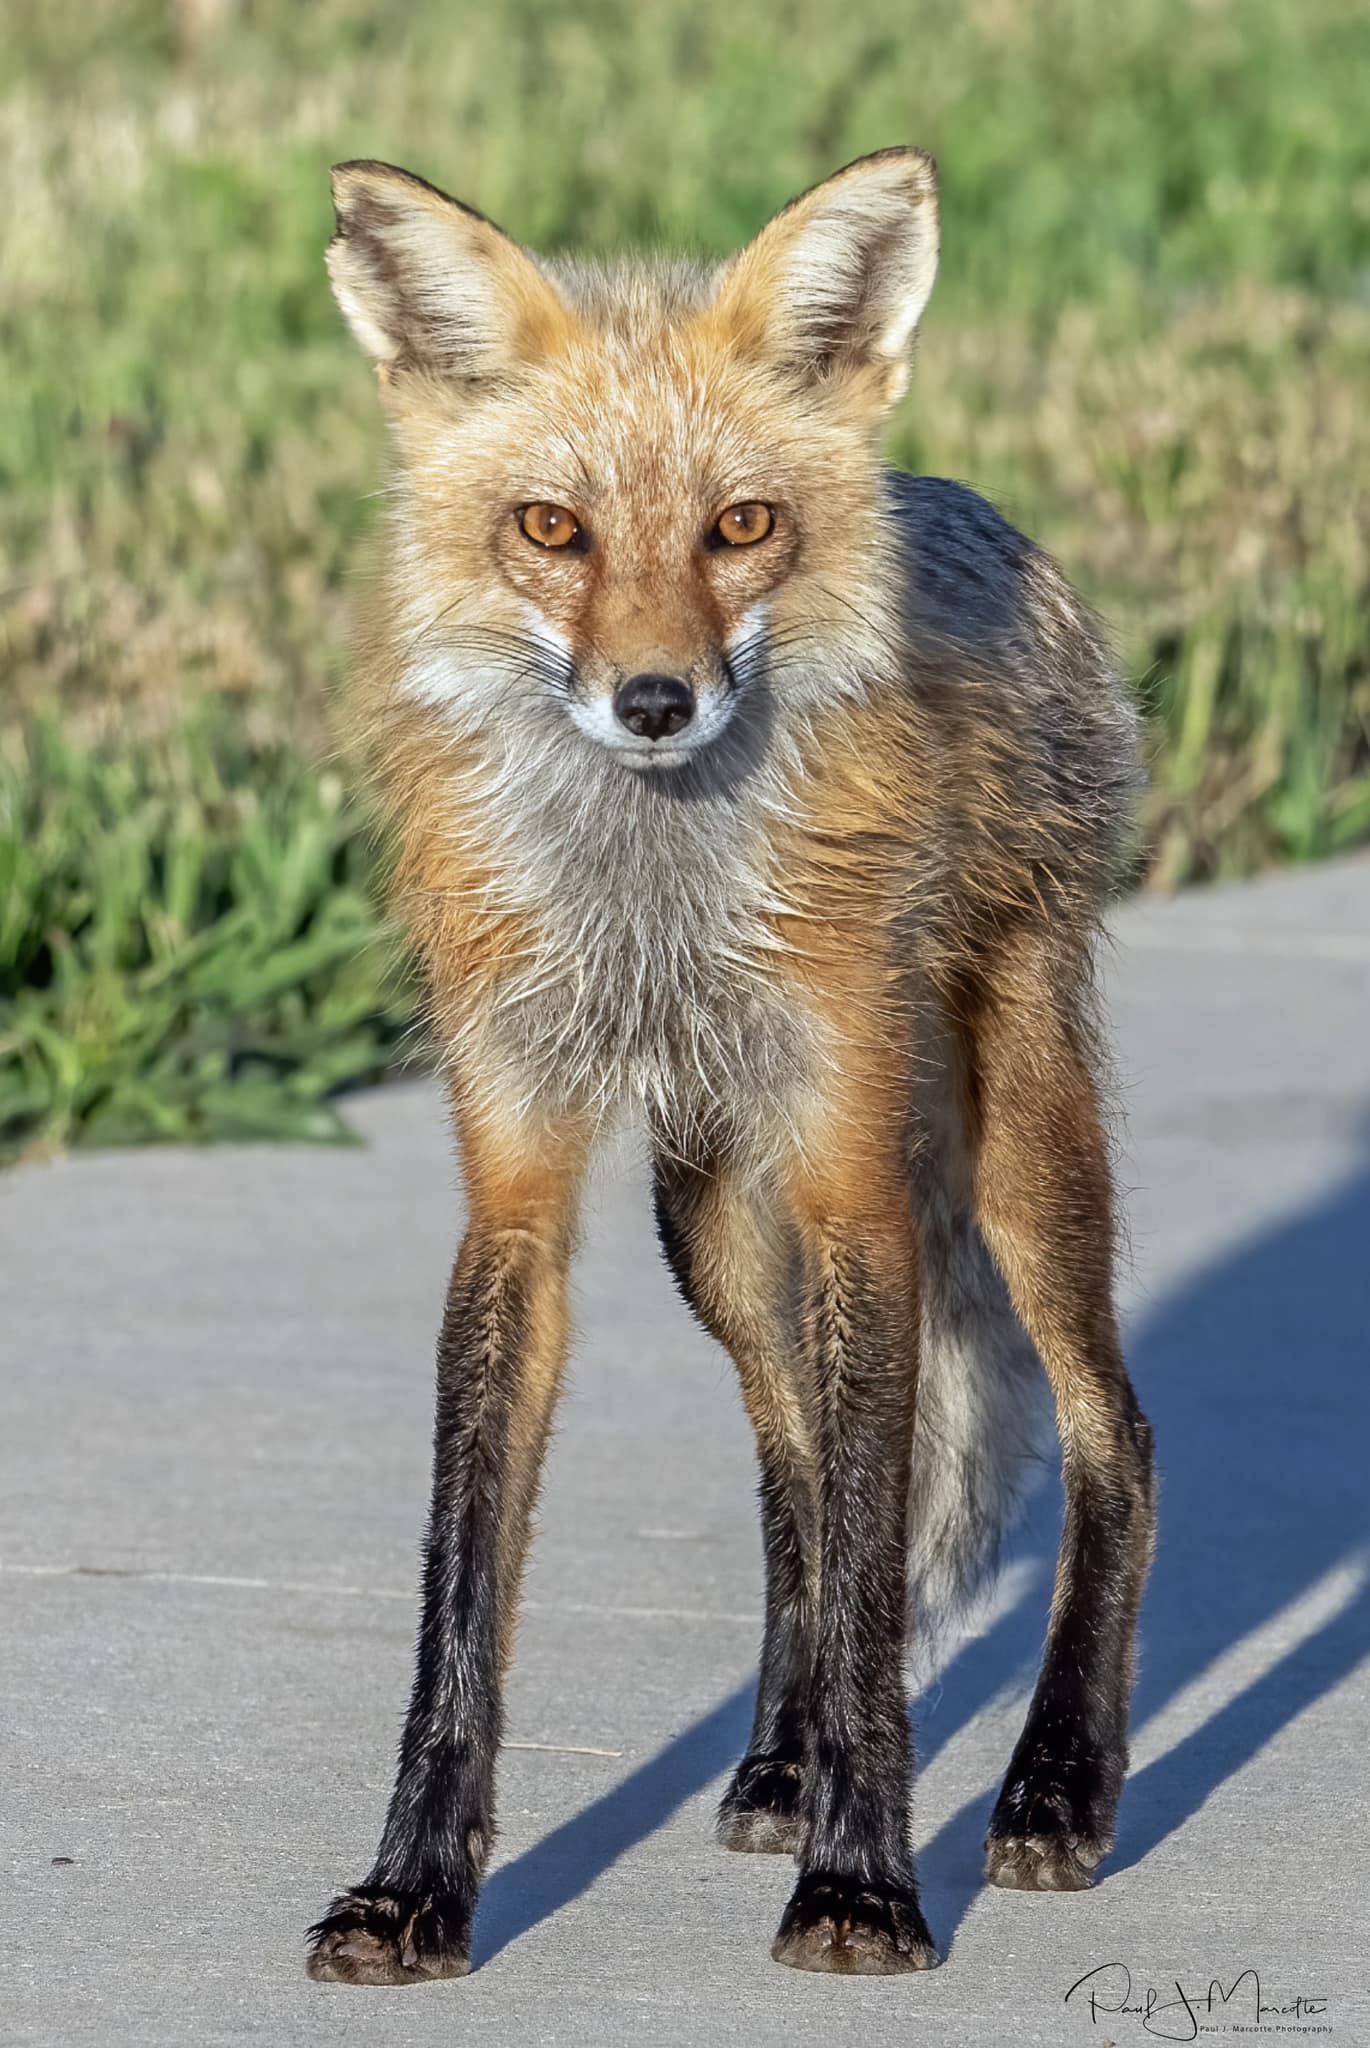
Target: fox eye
{"type": "Point", "coordinates": [551, 526]}
{"type": "Point", "coordinates": [740, 525]}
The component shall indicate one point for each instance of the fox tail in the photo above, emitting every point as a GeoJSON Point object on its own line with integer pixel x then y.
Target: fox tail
{"type": "Point", "coordinates": [985, 1428]}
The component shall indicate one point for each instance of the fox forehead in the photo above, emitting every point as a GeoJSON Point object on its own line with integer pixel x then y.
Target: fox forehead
{"type": "Point", "coordinates": [644, 398]}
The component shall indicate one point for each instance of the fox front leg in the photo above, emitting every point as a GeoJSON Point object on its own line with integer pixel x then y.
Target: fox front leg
{"type": "Point", "coordinates": [855, 1909]}
{"type": "Point", "coordinates": [500, 1359]}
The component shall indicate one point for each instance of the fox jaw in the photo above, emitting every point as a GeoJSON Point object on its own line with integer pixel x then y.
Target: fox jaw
{"type": "Point", "coordinates": [638, 504]}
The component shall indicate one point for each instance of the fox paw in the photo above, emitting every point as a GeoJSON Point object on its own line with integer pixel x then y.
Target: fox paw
{"type": "Point", "coordinates": [760, 1809]}
{"type": "Point", "coordinates": [852, 1928]}
{"type": "Point", "coordinates": [376, 1937]}
{"type": "Point", "coordinates": [1048, 1832]}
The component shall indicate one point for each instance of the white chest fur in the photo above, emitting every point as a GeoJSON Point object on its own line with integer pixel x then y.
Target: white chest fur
{"type": "Point", "coordinates": [650, 976]}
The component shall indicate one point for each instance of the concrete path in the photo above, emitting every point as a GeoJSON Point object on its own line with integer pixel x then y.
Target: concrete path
{"type": "Point", "coordinates": [212, 1473]}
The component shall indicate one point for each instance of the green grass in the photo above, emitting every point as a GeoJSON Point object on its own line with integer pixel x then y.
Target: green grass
{"type": "Point", "coordinates": [188, 946]}
{"type": "Point", "coordinates": [1150, 343]}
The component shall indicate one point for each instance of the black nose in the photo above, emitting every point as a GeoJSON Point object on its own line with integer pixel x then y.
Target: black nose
{"type": "Point", "coordinates": [654, 707]}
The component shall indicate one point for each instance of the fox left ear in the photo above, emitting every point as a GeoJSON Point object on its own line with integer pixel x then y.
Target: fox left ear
{"type": "Point", "coordinates": [838, 281]}
{"type": "Point", "coordinates": [427, 284]}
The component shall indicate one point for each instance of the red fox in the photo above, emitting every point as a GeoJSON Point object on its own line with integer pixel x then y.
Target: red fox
{"type": "Point", "coordinates": [738, 779]}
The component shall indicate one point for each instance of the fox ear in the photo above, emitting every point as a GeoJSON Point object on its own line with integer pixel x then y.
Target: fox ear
{"type": "Point", "coordinates": [838, 280]}
{"type": "Point", "coordinates": [426, 283]}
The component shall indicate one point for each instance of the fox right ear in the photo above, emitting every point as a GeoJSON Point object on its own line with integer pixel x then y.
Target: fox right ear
{"type": "Point", "coordinates": [835, 285]}
{"type": "Point", "coordinates": [426, 283]}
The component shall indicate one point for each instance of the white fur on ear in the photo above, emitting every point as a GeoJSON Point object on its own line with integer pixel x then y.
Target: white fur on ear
{"type": "Point", "coordinates": [424, 281]}
{"type": "Point", "coordinates": [841, 276]}
{"type": "Point", "coordinates": [350, 282]}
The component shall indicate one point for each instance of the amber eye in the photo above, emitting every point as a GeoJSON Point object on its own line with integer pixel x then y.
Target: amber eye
{"type": "Point", "coordinates": [551, 526]}
{"type": "Point", "coordinates": [740, 525]}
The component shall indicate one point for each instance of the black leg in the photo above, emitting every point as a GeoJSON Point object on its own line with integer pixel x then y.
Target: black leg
{"type": "Point", "coordinates": [855, 1908]}
{"type": "Point", "coordinates": [500, 1357]}
{"type": "Point", "coordinates": [729, 1258]}
{"type": "Point", "coordinates": [762, 1807]}
{"type": "Point", "coordinates": [1053, 1822]}
{"type": "Point", "coordinates": [1045, 1198]}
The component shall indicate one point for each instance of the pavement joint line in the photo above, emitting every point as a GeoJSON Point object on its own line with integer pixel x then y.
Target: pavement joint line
{"type": "Point", "coordinates": [561, 1748]}
{"type": "Point", "coordinates": [1331, 946]}
{"type": "Point", "coordinates": [231, 1582]}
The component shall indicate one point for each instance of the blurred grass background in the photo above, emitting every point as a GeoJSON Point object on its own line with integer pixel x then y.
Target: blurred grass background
{"type": "Point", "coordinates": [1150, 344]}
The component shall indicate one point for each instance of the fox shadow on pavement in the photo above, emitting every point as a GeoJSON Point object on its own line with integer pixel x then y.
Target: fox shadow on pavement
{"type": "Point", "coordinates": [1254, 1375]}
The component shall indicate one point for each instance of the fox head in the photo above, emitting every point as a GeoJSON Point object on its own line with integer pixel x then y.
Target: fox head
{"type": "Point", "coordinates": [638, 497]}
